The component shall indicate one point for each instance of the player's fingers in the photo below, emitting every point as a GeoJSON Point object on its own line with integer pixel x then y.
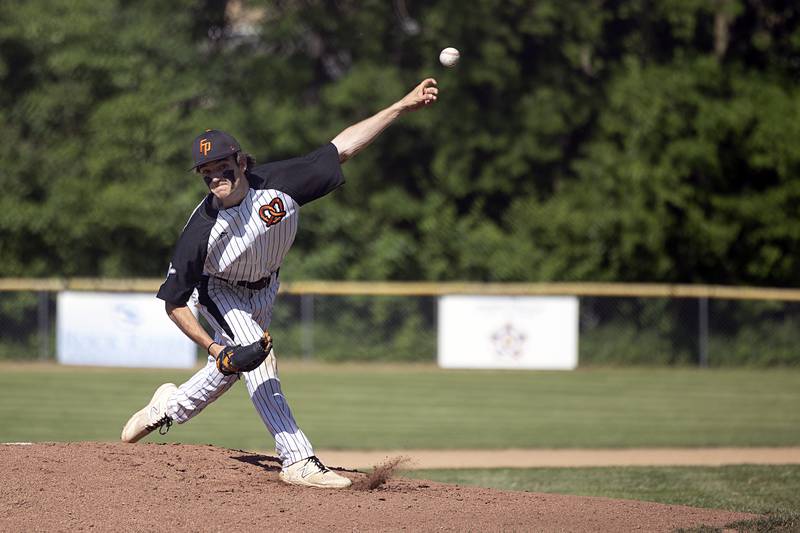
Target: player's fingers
{"type": "Point", "coordinates": [427, 92]}
{"type": "Point", "coordinates": [427, 82]}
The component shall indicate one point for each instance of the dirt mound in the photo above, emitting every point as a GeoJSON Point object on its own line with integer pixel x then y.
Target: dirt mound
{"type": "Point", "coordinates": [172, 487]}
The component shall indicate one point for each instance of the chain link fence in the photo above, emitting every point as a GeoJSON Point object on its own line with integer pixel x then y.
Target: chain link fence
{"type": "Point", "coordinates": [688, 331]}
{"type": "Point", "coordinates": [614, 330]}
{"type": "Point", "coordinates": [27, 325]}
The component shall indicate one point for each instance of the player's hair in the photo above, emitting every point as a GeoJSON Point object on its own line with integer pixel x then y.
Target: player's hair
{"type": "Point", "coordinates": [251, 161]}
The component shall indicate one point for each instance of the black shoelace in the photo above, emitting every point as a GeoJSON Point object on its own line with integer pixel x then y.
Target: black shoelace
{"type": "Point", "coordinates": [318, 463]}
{"type": "Point", "coordinates": [163, 425]}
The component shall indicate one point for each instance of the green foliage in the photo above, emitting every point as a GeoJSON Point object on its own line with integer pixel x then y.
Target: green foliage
{"type": "Point", "coordinates": [625, 331]}
{"type": "Point", "coordinates": [762, 345]}
{"type": "Point", "coordinates": [619, 141]}
{"type": "Point", "coordinates": [21, 338]}
{"type": "Point", "coordinates": [623, 343]}
{"type": "Point", "coordinates": [625, 141]}
{"type": "Point", "coordinates": [356, 328]}
{"type": "Point", "coordinates": [650, 331]}
{"type": "Point", "coordinates": [99, 97]}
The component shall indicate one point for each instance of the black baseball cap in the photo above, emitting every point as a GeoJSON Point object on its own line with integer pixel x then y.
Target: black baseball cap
{"type": "Point", "coordinates": [213, 145]}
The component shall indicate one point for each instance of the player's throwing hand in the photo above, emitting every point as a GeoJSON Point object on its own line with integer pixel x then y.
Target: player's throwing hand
{"type": "Point", "coordinates": [356, 137]}
{"type": "Point", "coordinates": [423, 94]}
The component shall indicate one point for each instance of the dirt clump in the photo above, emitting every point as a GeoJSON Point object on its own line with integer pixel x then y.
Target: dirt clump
{"type": "Point", "coordinates": [381, 473]}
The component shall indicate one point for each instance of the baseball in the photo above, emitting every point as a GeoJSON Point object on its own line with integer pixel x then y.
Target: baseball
{"type": "Point", "coordinates": [449, 57]}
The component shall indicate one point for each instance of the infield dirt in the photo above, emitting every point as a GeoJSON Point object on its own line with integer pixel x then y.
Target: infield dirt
{"type": "Point", "coordinates": [175, 487]}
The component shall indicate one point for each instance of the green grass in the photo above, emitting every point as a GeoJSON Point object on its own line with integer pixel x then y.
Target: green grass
{"type": "Point", "coordinates": [771, 490]}
{"type": "Point", "coordinates": [774, 523]}
{"type": "Point", "coordinates": [747, 488]}
{"type": "Point", "coordinates": [395, 406]}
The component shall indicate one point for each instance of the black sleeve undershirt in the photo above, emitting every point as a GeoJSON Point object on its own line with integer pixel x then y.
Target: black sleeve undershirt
{"type": "Point", "coordinates": [189, 257]}
{"type": "Point", "coordinates": [303, 178]}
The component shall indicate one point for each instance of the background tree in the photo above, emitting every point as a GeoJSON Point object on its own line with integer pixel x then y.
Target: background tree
{"type": "Point", "coordinates": [622, 140]}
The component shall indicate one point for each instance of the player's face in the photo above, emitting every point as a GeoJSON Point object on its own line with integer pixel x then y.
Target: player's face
{"type": "Point", "coordinates": [221, 176]}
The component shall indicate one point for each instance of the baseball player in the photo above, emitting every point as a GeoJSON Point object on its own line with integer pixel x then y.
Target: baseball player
{"type": "Point", "coordinates": [227, 261]}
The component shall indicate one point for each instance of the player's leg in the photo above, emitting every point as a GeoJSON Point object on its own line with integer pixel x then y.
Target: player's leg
{"type": "Point", "coordinates": [198, 392]}
{"type": "Point", "coordinates": [263, 384]}
{"type": "Point", "coordinates": [208, 383]}
{"type": "Point", "coordinates": [300, 465]}
{"type": "Point", "coordinates": [180, 404]}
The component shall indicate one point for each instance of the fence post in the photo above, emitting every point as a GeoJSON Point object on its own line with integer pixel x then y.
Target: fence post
{"type": "Point", "coordinates": [703, 331]}
{"type": "Point", "coordinates": [43, 315]}
{"type": "Point", "coordinates": [307, 318]}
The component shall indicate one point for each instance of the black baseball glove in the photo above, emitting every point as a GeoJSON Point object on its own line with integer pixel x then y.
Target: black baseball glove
{"type": "Point", "coordinates": [235, 359]}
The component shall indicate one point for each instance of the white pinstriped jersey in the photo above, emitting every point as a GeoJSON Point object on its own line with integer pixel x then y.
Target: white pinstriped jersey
{"type": "Point", "coordinates": [248, 242]}
{"type": "Point", "coordinates": [243, 246]}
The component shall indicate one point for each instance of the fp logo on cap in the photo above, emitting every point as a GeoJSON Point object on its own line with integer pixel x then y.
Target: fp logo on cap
{"type": "Point", "coordinates": [205, 146]}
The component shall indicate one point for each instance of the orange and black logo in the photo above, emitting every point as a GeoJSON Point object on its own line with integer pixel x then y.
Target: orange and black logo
{"type": "Point", "coordinates": [205, 146]}
{"type": "Point", "coordinates": [273, 212]}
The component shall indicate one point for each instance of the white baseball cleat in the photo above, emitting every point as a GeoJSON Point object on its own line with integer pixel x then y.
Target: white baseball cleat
{"type": "Point", "coordinates": [150, 417]}
{"type": "Point", "coordinates": [312, 473]}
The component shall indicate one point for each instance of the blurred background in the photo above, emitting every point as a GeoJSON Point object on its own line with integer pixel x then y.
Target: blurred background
{"type": "Point", "coordinates": [639, 158]}
{"type": "Point", "coordinates": [600, 141]}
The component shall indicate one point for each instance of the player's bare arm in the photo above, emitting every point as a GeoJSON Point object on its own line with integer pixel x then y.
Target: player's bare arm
{"type": "Point", "coordinates": [358, 136]}
{"type": "Point", "coordinates": [188, 324]}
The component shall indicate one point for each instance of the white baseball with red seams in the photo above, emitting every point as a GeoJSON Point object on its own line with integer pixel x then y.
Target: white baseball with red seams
{"type": "Point", "coordinates": [449, 57]}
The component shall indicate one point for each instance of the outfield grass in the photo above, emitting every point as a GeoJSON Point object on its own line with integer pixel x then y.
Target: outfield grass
{"type": "Point", "coordinates": [375, 407]}
{"type": "Point", "coordinates": [745, 488]}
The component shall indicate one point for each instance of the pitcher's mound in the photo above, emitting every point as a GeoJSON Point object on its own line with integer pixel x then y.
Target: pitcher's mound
{"type": "Point", "coordinates": [174, 487]}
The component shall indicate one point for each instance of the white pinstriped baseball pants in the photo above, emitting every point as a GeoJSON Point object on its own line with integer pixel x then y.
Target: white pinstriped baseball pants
{"type": "Point", "coordinates": [240, 316]}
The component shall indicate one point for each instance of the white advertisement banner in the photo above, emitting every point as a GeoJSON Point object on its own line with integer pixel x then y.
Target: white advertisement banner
{"type": "Point", "coordinates": [531, 332]}
{"type": "Point", "coordinates": [119, 329]}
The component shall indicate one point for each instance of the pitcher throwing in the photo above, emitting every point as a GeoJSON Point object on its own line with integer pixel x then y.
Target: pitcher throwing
{"type": "Point", "coordinates": [227, 261]}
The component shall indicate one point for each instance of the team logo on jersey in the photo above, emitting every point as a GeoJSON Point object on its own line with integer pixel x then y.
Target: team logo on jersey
{"type": "Point", "coordinates": [205, 146]}
{"type": "Point", "coordinates": [273, 212]}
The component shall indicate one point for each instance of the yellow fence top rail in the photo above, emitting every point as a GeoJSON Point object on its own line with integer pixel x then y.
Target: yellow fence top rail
{"type": "Point", "coordinates": [391, 288]}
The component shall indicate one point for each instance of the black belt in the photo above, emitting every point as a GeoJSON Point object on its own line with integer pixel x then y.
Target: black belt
{"type": "Point", "coordinates": [254, 285]}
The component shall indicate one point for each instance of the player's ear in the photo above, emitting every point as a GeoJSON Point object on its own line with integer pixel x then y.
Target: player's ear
{"type": "Point", "coordinates": [241, 160]}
